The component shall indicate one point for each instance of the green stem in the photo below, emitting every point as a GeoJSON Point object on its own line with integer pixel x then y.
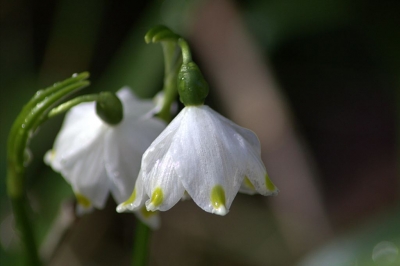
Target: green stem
{"type": "Point", "coordinates": [41, 117]}
{"type": "Point", "coordinates": [140, 247]}
{"type": "Point", "coordinates": [36, 100]}
{"type": "Point", "coordinates": [68, 105]}
{"type": "Point", "coordinates": [15, 185]}
{"type": "Point", "coordinates": [27, 121]}
{"type": "Point", "coordinates": [172, 61]}
{"type": "Point", "coordinates": [186, 54]}
{"type": "Point", "coordinates": [20, 210]}
{"type": "Point", "coordinates": [42, 94]}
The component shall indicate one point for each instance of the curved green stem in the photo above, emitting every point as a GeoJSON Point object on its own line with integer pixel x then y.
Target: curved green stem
{"type": "Point", "coordinates": [36, 100]}
{"type": "Point", "coordinates": [31, 116]}
{"type": "Point", "coordinates": [40, 117]}
{"type": "Point", "coordinates": [42, 94]}
{"type": "Point", "coordinates": [23, 128]}
{"type": "Point", "coordinates": [186, 54]}
{"type": "Point", "coordinates": [62, 108]}
{"type": "Point", "coordinates": [140, 246]}
{"type": "Point", "coordinates": [172, 61]}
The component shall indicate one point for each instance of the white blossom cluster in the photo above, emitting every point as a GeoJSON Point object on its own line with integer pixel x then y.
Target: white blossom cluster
{"type": "Point", "coordinates": [199, 155]}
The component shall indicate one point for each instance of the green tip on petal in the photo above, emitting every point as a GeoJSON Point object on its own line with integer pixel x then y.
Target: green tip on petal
{"type": "Point", "coordinates": [268, 183]}
{"type": "Point", "coordinates": [125, 206]}
{"type": "Point", "coordinates": [147, 214]}
{"type": "Point", "coordinates": [248, 183]}
{"type": "Point", "coordinates": [218, 200]}
{"type": "Point", "coordinates": [156, 199]}
{"type": "Point", "coordinates": [83, 201]}
{"type": "Point", "coordinates": [131, 198]}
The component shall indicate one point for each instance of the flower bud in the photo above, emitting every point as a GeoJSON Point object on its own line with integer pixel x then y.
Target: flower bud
{"type": "Point", "coordinates": [192, 87]}
{"type": "Point", "coordinates": [109, 108]}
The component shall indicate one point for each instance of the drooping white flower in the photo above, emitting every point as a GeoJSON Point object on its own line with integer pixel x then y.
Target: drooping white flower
{"type": "Point", "coordinates": [97, 158]}
{"type": "Point", "coordinates": [204, 155]}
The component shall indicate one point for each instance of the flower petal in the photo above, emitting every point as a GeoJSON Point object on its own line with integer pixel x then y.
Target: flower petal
{"type": "Point", "coordinates": [134, 106]}
{"type": "Point", "coordinates": [203, 160]}
{"type": "Point", "coordinates": [249, 152]}
{"type": "Point", "coordinates": [86, 173]}
{"type": "Point", "coordinates": [137, 198]}
{"type": "Point", "coordinates": [247, 187]}
{"type": "Point", "coordinates": [151, 219]}
{"type": "Point", "coordinates": [257, 175]}
{"type": "Point", "coordinates": [247, 134]}
{"type": "Point", "coordinates": [81, 210]}
{"type": "Point", "coordinates": [80, 129]}
{"type": "Point", "coordinates": [163, 185]}
{"type": "Point", "coordinates": [124, 147]}
{"type": "Point", "coordinates": [160, 146]}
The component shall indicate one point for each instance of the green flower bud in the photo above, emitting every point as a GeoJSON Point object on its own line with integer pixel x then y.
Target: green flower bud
{"type": "Point", "coordinates": [192, 87]}
{"type": "Point", "coordinates": [109, 108]}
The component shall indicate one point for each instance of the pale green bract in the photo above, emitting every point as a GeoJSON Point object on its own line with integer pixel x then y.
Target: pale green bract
{"type": "Point", "coordinates": [205, 156]}
{"type": "Point", "coordinates": [97, 158]}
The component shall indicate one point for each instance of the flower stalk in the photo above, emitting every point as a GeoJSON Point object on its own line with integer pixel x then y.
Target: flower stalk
{"type": "Point", "coordinates": [141, 243]}
{"type": "Point", "coordinates": [186, 54]}
{"type": "Point", "coordinates": [192, 87]}
{"type": "Point", "coordinates": [172, 62]}
{"type": "Point", "coordinates": [62, 108]}
{"type": "Point", "coordinates": [32, 115]}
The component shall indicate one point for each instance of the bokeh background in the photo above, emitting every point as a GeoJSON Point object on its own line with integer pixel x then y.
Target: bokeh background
{"type": "Point", "coordinates": [318, 81]}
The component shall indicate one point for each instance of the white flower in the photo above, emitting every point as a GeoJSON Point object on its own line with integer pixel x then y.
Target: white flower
{"type": "Point", "coordinates": [97, 158]}
{"type": "Point", "coordinates": [204, 155]}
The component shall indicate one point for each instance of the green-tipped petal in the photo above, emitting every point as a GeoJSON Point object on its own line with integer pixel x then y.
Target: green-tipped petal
{"type": "Point", "coordinates": [156, 200]}
{"type": "Point", "coordinates": [83, 201]}
{"type": "Point", "coordinates": [248, 183]}
{"type": "Point", "coordinates": [270, 186]}
{"type": "Point", "coordinates": [217, 198]}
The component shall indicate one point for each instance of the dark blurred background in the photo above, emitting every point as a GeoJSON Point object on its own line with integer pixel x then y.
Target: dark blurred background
{"type": "Point", "coordinates": [318, 81]}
